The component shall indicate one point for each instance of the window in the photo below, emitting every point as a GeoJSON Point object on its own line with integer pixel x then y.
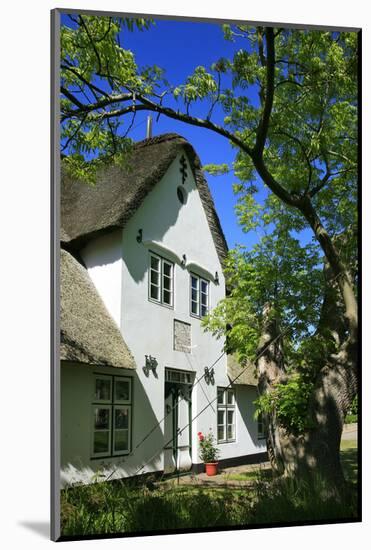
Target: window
{"type": "Point", "coordinates": [178, 376]}
{"type": "Point", "coordinates": [161, 280]}
{"type": "Point", "coordinates": [261, 427]}
{"type": "Point", "coordinates": [199, 296]}
{"type": "Point", "coordinates": [226, 411]}
{"type": "Point", "coordinates": [111, 415]}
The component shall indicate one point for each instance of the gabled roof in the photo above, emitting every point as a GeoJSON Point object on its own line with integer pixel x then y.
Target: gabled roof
{"type": "Point", "coordinates": [88, 332]}
{"type": "Point", "coordinates": [87, 211]}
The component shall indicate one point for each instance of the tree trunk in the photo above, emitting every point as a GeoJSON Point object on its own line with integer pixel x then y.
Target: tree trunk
{"type": "Point", "coordinates": [316, 452]}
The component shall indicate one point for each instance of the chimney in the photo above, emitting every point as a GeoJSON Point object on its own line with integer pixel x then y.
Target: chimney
{"type": "Point", "coordinates": [149, 127]}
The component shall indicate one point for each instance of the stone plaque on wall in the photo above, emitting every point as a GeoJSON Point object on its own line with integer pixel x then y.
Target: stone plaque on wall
{"type": "Point", "coordinates": [182, 336]}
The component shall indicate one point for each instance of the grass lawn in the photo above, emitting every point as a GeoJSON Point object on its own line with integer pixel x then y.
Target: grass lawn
{"type": "Point", "coordinates": [348, 457]}
{"type": "Point", "coordinates": [116, 507]}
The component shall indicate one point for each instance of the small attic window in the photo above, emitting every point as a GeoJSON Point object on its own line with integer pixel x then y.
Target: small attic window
{"type": "Point", "coordinates": [181, 194]}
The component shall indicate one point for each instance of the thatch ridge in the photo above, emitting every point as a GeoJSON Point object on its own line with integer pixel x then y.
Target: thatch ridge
{"type": "Point", "coordinates": [88, 332]}
{"type": "Point", "coordinates": [87, 211]}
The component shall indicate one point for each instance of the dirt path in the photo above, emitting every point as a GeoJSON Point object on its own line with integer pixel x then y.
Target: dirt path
{"type": "Point", "coordinates": [350, 432]}
{"type": "Point", "coordinates": [234, 477]}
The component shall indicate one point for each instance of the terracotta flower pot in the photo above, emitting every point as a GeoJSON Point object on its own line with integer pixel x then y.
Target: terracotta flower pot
{"type": "Point", "coordinates": [211, 468]}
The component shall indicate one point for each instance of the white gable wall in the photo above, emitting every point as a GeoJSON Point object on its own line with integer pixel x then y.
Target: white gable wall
{"type": "Point", "coordinates": [148, 327]}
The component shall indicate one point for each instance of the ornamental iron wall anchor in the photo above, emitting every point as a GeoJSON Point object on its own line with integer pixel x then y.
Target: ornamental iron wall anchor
{"type": "Point", "coordinates": [140, 236]}
{"type": "Point", "coordinates": [183, 168]}
{"type": "Point", "coordinates": [151, 365]}
{"type": "Point", "coordinates": [209, 375]}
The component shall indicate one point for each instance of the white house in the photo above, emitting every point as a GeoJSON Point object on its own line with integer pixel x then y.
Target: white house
{"type": "Point", "coordinates": [141, 264]}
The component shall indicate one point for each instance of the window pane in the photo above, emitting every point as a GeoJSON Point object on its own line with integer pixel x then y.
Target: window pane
{"type": "Point", "coordinates": [101, 418]}
{"type": "Point", "coordinates": [121, 418]}
{"type": "Point", "coordinates": [122, 390]}
{"type": "Point", "coordinates": [167, 297]}
{"type": "Point", "coordinates": [203, 311]}
{"type": "Point", "coordinates": [167, 269]}
{"type": "Point", "coordinates": [155, 292]}
{"type": "Point", "coordinates": [220, 397]}
{"type": "Point", "coordinates": [155, 263]}
{"type": "Point", "coordinates": [121, 442]}
{"type": "Point", "coordinates": [167, 283]}
{"type": "Point", "coordinates": [194, 295]}
{"type": "Point", "coordinates": [194, 283]}
{"type": "Point", "coordinates": [230, 397]}
{"type": "Point", "coordinates": [195, 308]}
{"type": "Point", "coordinates": [204, 287]}
{"type": "Point", "coordinates": [230, 432]}
{"type": "Point", "coordinates": [102, 389]}
{"type": "Point", "coordinates": [230, 415]}
{"type": "Point", "coordinates": [155, 277]}
{"type": "Point", "coordinates": [221, 433]}
{"type": "Point", "coordinates": [101, 442]}
{"type": "Point", "coordinates": [221, 417]}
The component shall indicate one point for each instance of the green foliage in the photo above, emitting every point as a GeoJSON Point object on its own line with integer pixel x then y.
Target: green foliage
{"type": "Point", "coordinates": [289, 401]}
{"type": "Point", "coordinates": [127, 506]}
{"type": "Point", "coordinates": [208, 452]}
{"type": "Point", "coordinates": [199, 85]}
{"type": "Point", "coordinates": [290, 500]}
{"type": "Point", "coordinates": [216, 169]}
{"type": "Point", "coordinates": [354, 407]}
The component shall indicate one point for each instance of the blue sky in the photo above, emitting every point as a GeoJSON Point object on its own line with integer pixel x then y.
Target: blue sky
{"type": "Point", "coordinates": [179, 47]}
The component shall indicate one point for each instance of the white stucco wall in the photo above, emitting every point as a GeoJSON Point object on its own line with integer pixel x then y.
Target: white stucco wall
{"type": "Point", "coordinates": [103, 260]}
{"type": "Point", "coordinates": [77, 464]}
{"type": "Point", "coordinates": [118, 266]}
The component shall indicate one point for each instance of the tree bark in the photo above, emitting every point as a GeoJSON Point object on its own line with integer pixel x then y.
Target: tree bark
{"type": "Point", "coordinates": [314, 454]}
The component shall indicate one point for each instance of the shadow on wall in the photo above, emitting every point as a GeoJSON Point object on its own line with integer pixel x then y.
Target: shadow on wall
{"type": "Point", "coordinates": [146, 452]}
{"type": "Point", "coordinates": [159, 212]}
{"type": "Point", "coordinates": [245, 397]}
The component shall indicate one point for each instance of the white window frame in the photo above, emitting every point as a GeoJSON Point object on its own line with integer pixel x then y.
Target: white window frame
{"type": "Point", "coordinates": [260, 427]}
{"type": "Point", "coordinates": [162, 276]}
{"type": "Point", "coordinates": [112, 405]}
{"type": "Point", "coordinates": [198, 300]}
{"type": "Point", "coordinates": [115, 430]}
{"type": "Point", "coordinates": [108, 430]}
{"type": "Point", "coordinates": [102, 401]}
{"type": "Point", "coordinates": [225, 406]}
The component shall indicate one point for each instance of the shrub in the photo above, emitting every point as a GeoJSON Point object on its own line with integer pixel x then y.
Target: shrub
{"type": "Point", "coordinates": [208, 451]}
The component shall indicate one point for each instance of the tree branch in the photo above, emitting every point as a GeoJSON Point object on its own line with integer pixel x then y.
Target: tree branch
{"type": "Point", "coordinates": [297, 140]}
{"type": "Point", "coordinates": [109, 100]}
{"type": "Point", "coordinates": [83, 80]}
{"type": "Point", "coordinates": [262, 130]}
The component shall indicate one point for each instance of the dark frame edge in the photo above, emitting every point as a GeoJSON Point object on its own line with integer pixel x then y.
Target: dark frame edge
{"type": "Point", "coordinates": [55, 533]}
{"type": "Point", "coordinates": [198, 19]}
{"type": "Point", "coordinates": [54, 280]}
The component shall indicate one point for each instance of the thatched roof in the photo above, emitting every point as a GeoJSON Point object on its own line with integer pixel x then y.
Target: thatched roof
{"type": "Point", "coordinates": [88, 332]}
{"type": "Point", "coordinates": [248, 376]}
{"type": "Point", "coordinates": [87, 211]}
